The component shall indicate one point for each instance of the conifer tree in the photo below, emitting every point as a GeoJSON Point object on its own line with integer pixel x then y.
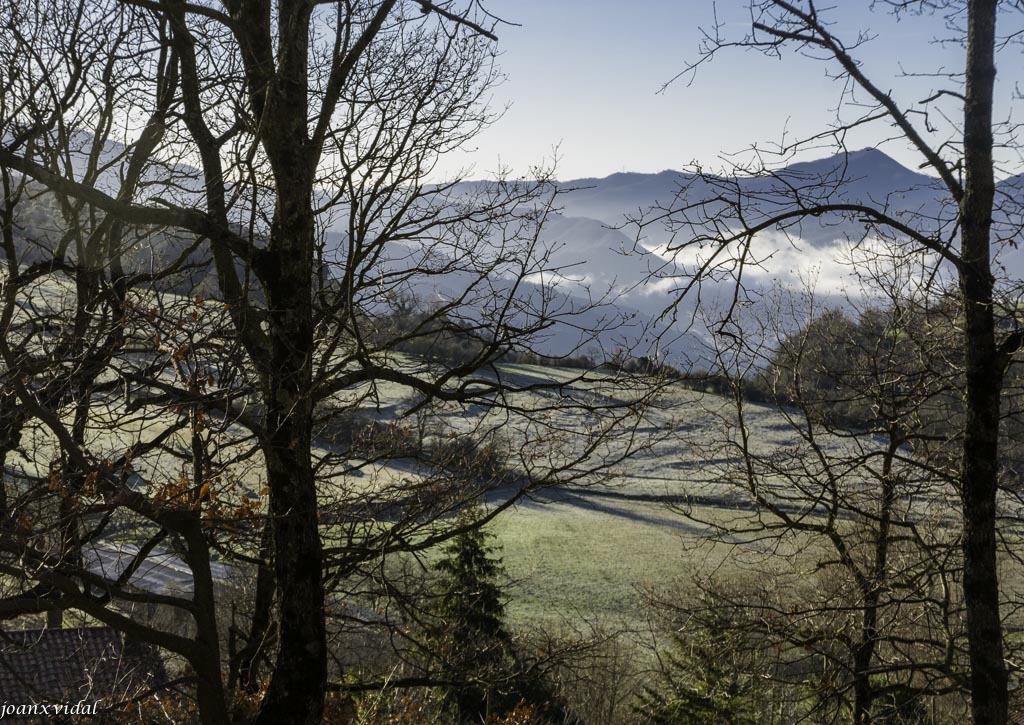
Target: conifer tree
{"type": "Point", "coordinates": [469, 636]}
{"type": "Point", "coordinates": [702, 681]}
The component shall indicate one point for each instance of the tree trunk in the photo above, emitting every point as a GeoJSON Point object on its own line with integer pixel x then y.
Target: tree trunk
{"type": "Point", "coordinates": [279, 97]}
{"type": "Point", "coordinates": [299, 680]}
{"type": "Point", "coordinates": [244, 668]}
{"type": "Point", "coordinates": [210, 696]}
{"type": "Point", "coordinates": [984, 370]}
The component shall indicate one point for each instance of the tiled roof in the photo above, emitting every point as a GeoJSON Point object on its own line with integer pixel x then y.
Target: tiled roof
{"type": "Point", "coordinates": [69, 665]}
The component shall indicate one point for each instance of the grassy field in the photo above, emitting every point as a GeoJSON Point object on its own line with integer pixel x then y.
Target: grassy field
{"type": "Point", "coordinates": [580, 550]}
{"type": "Point", "coordinates": [579, 558]}
{"type": "Point", "coordinates": [587, 552]}
{"type": "Point", "coordinates": [586, 549]}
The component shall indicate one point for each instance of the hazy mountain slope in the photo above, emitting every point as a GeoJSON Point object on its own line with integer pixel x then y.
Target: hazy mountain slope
{"type": "Point", "coordinates": [866, 177]}
{"type": "Point", "coordinates": [594, 252]}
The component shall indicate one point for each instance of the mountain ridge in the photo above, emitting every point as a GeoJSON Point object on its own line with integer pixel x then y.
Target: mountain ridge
{"type": "Point", "coordinates": [595, 245]}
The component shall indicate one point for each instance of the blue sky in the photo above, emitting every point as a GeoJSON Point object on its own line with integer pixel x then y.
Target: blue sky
{"type": "Point", "coordinates": [584, 77]}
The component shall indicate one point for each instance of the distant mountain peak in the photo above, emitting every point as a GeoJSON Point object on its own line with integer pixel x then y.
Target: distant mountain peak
{"type": "Point", "coordinates": [870, 166]}
{"type": "Point", "coordinates": [625, 178]}
{"type": "Point", "coordinates": [874, 159]}
{"type": "Point", "coordinates": [870, 153]}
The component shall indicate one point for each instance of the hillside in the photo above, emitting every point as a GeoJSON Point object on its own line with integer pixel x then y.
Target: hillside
{"type": "Point", "coordinates": [591, 249]}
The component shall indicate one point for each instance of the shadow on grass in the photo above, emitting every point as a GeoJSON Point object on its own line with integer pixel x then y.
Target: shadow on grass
{"type": "Point", "coordinates": [590, 500]}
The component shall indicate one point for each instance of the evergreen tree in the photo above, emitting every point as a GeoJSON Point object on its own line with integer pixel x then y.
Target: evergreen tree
{"type": "Point", "coordinates": [469, 636]}
{"type": "Point", "coordinates": [703, 681]}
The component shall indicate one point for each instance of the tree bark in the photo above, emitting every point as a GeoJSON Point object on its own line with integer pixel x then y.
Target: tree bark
{"type": "Point", "coordinates": [244, 668]}
{"type": "Point", "coordinates": [210, 696]}
{"type": "Point", "coordinates": [299, 679]}
{"type": "Point", "coordinates": [298, 682]}
{"type": "Point", "coordinates": [984, 371]}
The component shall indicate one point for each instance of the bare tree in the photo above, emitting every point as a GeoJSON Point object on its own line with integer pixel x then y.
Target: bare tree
{"type": "Point", "coordinates": [868, 616]}
{"type": "Point", "coordinates": [961, 236]}
{"type": "Point", "coordinates": [219, 235]}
